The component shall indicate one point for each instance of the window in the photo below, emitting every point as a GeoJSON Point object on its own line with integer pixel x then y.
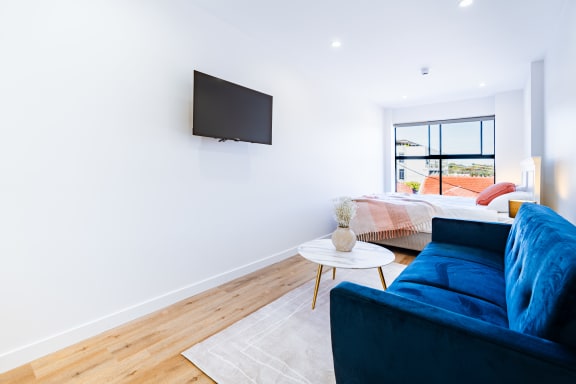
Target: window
{"type": "Point", "coordinates": [448, 157]}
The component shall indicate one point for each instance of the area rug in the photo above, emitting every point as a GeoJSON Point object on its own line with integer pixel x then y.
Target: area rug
{"type": "Point", "coordinates": [285, 341]}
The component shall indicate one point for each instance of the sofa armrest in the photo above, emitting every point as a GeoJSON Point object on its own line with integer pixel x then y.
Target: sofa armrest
{"type": "Point", "coordinates": [380, 337]}
{"type": "Point", "coordinates": [490, 236]}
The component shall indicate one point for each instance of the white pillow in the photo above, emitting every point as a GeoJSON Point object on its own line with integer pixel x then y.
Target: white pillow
{"type": "Point", "coordinates": [500, 203]}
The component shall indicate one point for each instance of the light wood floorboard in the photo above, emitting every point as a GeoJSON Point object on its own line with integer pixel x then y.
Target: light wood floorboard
{"type": "Point", "coordinates": [147, 350]}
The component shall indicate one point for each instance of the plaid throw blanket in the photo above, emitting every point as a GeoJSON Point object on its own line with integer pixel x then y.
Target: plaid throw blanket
{"type": "Point", "coordinates": [394, 216]}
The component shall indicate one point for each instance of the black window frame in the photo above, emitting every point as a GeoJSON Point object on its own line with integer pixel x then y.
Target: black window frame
{"type": "Point", "coordinates": [440, 156]}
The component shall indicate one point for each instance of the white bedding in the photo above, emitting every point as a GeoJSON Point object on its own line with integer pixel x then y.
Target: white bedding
{"type": "Point", "coordinates": [454, 207]}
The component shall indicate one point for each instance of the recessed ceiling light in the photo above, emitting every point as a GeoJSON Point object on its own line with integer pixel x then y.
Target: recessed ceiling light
{"type": "Point", "coordinates": [482, 84]}
{"type": "Point", "coordinates": [404, 97]}
{"type": "Point", "coordinates": [336, 44]}
{"type": "Point", "coordinates": [465, 3]}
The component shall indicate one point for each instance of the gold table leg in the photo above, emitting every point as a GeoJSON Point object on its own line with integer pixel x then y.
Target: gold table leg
{"type": "Point", "coordinates": [333, 273]}
{"type": "Point", "coordinates": [318, 276]}
{"type": "Point", "coordinates": [382, 278]}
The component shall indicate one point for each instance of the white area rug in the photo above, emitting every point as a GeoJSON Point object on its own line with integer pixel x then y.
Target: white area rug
{"type": "Point", "coordinates": [285, 341]}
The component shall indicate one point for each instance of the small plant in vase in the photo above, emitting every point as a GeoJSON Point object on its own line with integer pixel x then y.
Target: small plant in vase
{"type": "Point", "coordinates": [343, 237]}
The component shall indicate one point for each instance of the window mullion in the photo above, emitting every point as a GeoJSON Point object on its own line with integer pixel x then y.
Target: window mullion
{"type": "Point", "coordinates": [481, 137]}
{"type": "Point", "coordinates": [440, 151]}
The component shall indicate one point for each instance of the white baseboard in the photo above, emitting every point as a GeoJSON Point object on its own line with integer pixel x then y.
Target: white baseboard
{"type": "Point", "coordinates": [27, 353]}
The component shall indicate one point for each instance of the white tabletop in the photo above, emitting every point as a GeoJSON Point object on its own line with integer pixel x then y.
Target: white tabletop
{"type": "Point", "coordinates": [363, 255]}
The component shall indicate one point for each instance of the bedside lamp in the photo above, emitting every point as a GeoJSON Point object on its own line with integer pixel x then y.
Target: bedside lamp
{"type": "Point", "coordinates": [514, 206]}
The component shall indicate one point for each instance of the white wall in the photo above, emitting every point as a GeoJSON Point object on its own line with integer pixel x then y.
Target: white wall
{"type": "Point", "coordinates": [444, 111]}
{"type": "Point", "coordinates": [508, 108]}
{"type": "Point", "coordinates": [510, 135]}
{"type": "Point", "coordinates": [536, 115]}
{"type": "Point", "coordinates": [109, 207]}
{"type": "Point", "coordinates": [558, 163]}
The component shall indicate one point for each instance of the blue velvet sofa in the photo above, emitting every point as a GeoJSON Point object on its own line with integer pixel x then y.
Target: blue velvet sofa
{"type": "Point", "coordinates": [482, 303]}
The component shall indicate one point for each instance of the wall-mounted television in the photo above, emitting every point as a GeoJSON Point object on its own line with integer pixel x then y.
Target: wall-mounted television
{"type": "Point", "coordinates": [228, 111]}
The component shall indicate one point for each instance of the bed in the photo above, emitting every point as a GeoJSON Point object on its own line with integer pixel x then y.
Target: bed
{"type": "Point", "coordinates": [405, 220]}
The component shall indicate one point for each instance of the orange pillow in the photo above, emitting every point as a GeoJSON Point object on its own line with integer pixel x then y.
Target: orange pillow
{"type": "Point", "coordinates": [493, 191]}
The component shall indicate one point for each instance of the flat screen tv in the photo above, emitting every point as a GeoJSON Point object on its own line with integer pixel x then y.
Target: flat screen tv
{"type": "Point", "coordinates": [228, 111]}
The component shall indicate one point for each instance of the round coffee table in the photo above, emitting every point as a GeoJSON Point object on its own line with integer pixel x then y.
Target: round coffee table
{"type": "Point", "coordinates": [363, 256]}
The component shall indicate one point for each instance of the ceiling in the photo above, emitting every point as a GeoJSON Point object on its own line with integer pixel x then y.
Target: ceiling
{"type": "Point", "coordinates": [386, 43]}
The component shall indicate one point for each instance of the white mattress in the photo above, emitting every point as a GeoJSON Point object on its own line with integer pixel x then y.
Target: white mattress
{"type": "Point", "coordinates": [461, 208]}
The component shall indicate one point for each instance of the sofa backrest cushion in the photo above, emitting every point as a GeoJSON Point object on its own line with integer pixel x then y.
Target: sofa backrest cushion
{"type": "Point", "coordinates": [540, 272]}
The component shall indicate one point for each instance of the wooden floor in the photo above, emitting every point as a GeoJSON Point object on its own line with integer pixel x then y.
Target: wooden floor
{"type": "Point", "coordinates": [148, 349]}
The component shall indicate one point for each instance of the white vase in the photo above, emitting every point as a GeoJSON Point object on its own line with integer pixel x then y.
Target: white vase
{"type": "Point", "coordinates": [344, 239]}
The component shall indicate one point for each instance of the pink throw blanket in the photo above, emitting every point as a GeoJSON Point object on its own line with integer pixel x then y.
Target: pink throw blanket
{"type": "Point", "coordinates": [396, 216]}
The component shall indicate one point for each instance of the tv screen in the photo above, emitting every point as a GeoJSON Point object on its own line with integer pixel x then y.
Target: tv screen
{"type": "Point", "coordinates": [229, 111]}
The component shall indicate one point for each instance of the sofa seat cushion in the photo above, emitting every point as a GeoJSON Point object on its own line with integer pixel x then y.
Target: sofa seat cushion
{"type": "Point", "coordinates": [460, 279]}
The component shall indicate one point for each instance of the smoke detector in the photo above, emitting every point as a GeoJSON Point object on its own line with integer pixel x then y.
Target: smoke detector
{"type": "Point", "coordinates": [425, 71]}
